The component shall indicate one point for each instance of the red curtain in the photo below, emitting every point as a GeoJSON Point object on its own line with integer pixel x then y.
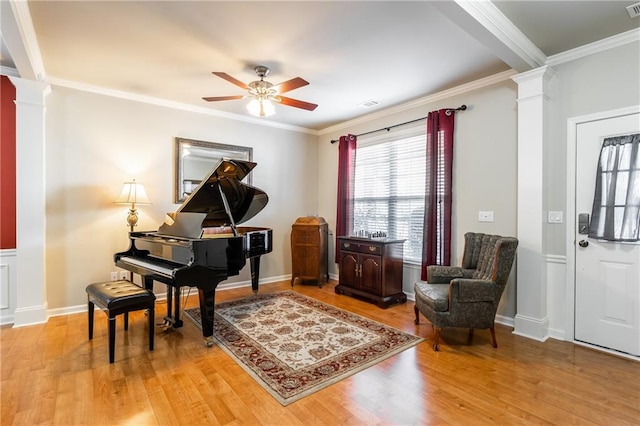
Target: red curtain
{"type": "Point", "coordinates": [436, 248]}
{"type": "Point", "coordinates": [346, 175]}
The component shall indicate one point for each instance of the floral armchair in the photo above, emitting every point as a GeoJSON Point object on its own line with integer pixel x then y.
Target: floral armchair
{"type": "Point", "coordinates": [467, 296]}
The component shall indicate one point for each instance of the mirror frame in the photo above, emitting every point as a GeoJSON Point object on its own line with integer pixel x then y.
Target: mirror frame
{"type": "Point", "coordinates": [208, 150]}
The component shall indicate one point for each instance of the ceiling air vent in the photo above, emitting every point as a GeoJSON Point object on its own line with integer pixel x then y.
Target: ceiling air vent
{"type": "Point", "coordinates": [368, 104]}
{"type": "Point", "coordinates": [634, 10]}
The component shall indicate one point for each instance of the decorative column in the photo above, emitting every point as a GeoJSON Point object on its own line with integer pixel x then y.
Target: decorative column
{"type": "Point", "coordinates": [531, 319]}
{"type": "Point", "coordinates": [31, 304]}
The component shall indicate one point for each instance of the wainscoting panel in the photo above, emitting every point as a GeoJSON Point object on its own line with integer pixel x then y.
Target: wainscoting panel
{"type": "Point", "coordinates": [557, 297]}
{"type": "Point", "coordinates": [7, 285]}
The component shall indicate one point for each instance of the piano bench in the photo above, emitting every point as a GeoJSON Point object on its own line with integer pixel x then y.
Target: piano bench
{"type": "Point", "coordinates": [120, 297]}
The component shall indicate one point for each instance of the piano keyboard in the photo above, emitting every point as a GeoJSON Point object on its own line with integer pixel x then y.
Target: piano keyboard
{"type": "Point", "coordinates": [159, 266]}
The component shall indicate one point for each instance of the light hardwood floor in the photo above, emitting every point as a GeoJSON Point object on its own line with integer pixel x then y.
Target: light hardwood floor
{"type": "Point", "coordinates": [51, 374]}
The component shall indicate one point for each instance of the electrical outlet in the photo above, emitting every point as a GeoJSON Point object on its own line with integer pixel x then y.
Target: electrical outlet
{"type": "Point", "coordinates": [124, 275]}
{"type": "Point", "coordinates": [114, 276]}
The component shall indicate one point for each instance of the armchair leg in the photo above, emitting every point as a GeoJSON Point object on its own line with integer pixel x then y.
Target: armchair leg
{"type": "Point", "coordinates": [470, 337]}
{"type": "Point", "coordinates": [417, 320]}
{"type": "Point", "coordinates": [493, 337]}
{"type": "Point", "coordinates": [436, 340]}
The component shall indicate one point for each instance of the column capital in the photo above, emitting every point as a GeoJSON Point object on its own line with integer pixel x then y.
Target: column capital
{"type": "Point", "coordinates": [534, 83]}
{"type": "Point", "coordinates": [30, 91]}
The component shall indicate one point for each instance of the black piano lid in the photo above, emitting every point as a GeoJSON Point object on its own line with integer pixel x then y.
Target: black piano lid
{"type": "Point", "coordinates": [244, 200]}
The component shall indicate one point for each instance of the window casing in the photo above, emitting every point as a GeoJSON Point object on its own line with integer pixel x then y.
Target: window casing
{"type": "Point", "coordinates": [389, 188]}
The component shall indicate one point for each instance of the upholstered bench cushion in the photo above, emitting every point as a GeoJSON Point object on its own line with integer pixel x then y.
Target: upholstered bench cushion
{"type": "Point", "coordinates": [115, 295]}
{"type": "Point", "coordinates": [435, 296]}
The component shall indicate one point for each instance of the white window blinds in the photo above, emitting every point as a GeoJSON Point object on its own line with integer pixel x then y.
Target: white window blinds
{"type": "Point", "coordinates": [389, 188]}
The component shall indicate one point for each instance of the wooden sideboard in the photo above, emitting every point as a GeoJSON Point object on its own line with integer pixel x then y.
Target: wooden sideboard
{"type": "Point", "coordinates": [309, 251]}
{"type": "Point", "coordinates": [371, 268]}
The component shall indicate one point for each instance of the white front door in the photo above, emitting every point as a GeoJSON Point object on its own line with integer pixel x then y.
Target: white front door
{"type": "Point", "coordinates": [607, 287]}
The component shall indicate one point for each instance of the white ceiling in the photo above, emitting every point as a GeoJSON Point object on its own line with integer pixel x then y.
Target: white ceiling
{"type": "Point", "coordinates": [349, 51]}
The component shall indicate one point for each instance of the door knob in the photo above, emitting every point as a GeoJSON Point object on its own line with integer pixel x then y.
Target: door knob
{"type": "Point", "coordinates": [583, 243]}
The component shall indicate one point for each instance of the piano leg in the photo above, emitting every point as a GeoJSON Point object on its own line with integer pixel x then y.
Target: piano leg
{"type": "Point", "coordinates": [148, 282]}
{"type": "Point", "coordinates": [207, 306]}
{"type": "Point", "coordinates": [177, 319]}
{"type": "Point", "coordinates": [173, 318]}
{"type": "Point", "coordinates": [255, 272]}
{"type": "Point", "coordinates": [169, 318]}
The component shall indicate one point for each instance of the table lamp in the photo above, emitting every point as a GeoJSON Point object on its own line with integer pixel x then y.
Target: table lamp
{"type": "Point", "coordinates": [132, 193]}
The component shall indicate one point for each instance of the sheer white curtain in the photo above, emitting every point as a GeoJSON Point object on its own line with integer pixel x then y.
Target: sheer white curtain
{"type": "Point", "coordinates": [616, 205]}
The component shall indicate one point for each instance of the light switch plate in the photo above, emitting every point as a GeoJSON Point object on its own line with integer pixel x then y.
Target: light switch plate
{"type": "Point", "coordinates": [485, 216]}
{"type": "Point", "coordinates": [554, 217]}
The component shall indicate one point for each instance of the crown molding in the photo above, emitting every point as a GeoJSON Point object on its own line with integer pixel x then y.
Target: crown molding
{"type": "Point", "coordinates": [445, 94]}
{"type": "Point", "coordinates": [174, 105]}
{"type": "Point", "coordinates": [595, 47]}
{"type": "Point", "coordinates": [8, 71]}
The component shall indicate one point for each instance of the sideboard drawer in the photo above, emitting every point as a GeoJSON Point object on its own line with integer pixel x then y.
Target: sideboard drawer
{"type": "Point", "coordinates": [361, 247]}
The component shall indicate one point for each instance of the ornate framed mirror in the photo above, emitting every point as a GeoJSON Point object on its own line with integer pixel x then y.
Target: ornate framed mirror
{"type": "Point", "coordinates": [195, 158]}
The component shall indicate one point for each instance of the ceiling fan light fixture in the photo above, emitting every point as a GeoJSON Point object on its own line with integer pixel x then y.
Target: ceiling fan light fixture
{"type": "Point", "coordinates": [261, 107]}
{"type": "Point", "coordinates": [263, 93]}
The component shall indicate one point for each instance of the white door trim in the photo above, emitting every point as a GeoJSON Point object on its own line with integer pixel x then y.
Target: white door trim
{"type": "Point", "coordinates": [572, 142]}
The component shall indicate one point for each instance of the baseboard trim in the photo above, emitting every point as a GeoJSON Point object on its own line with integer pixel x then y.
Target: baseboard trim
{"type": "Point", "coordinates": [69, 310]}
{"type": "Point", "coordinates": [33, 315]}
{"type": "Point", "coordinates": [506, 321]}
{"type": "Point", "coordinates": [532, 328]}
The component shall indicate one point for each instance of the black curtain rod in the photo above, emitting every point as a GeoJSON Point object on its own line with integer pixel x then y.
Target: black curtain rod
{"type": "Point", "coordinates": [448, 111]}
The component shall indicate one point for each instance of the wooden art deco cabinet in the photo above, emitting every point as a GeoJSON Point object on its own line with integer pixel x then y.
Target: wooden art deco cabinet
{"type": "Point", "coordinates": [309, 251]}
{"type": "Point", "coordinates": [371, 268]}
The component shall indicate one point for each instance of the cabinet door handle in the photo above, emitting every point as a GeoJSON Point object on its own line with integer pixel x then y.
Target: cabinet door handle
{"type": "Point", "coordinates": [346, 245]}
{"type": "Point", "coordinates": [372, 248]}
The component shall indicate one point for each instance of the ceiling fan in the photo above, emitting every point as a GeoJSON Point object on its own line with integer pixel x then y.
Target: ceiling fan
{"type": "Point", "coordinates": [262, 93]}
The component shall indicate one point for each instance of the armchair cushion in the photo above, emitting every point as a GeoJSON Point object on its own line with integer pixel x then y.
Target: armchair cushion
{"type": "Point", "coordinates": [435, 296]}
{"type": "Point", "coordinates": [437, 274]}
{"type": "Point", "coordinates": [472, 290]}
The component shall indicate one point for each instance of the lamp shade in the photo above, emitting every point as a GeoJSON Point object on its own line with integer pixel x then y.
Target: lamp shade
{"type": "Point", "coordinates": [261, 107]}
{"type": "Point", "coordinates": [132, 193]}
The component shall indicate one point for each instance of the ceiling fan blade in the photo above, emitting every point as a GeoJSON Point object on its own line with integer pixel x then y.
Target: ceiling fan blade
{"type": "Point", "coordinates": [288, 85]}
{"type": "Point", "coordinates": [222, 98]}
{"type": "Point", "coordinates": [230, 79]}
{"type": "Point", "coordinates": [297, 103]}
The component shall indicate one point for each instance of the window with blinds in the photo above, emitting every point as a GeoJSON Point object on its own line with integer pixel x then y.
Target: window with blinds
{"type": "Point", "coordinates": [389, 188]}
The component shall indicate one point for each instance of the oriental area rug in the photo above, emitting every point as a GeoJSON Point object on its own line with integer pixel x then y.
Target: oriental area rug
{"type": "Point", "coordinates": [294, 345]}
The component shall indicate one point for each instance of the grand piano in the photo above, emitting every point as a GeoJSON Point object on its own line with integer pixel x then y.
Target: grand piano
{"type": "Point", "coordinates": [200, 245]}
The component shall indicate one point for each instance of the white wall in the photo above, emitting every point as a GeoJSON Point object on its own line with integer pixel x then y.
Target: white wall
{"type": "Point", "coordinates": [600, 82]}
{"type": "Point", "coordinates": [484, 170]}
{"type": "Point", "coordinates": [96, 142]}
